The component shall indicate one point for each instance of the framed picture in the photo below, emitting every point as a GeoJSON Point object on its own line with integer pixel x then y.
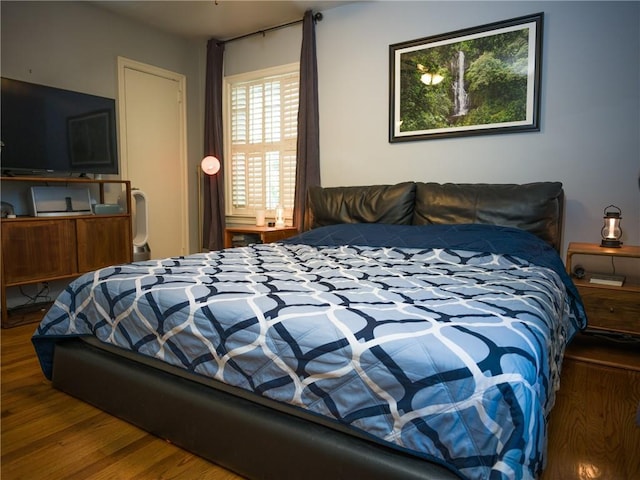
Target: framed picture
{"type": "Point", "coordinates": [90, 140]}
{"type": "Point", "coordinates": [481, 80]}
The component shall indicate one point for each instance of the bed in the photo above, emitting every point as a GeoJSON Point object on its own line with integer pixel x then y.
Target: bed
{"type": "Point", "coordinates": [411, 331]}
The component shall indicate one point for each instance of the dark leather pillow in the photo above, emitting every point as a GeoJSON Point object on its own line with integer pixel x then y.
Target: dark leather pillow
{"type": "Point", "coordinates": [390, 204]}
{"type": "Point", "coordinates": [534, 207]}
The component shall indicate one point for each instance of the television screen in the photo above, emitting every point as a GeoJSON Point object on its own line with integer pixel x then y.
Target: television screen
{"type": "Point", "coordinates": [46, 129]}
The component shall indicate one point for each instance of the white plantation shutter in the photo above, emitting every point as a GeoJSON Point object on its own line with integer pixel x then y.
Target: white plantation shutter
{"type": "Point", "coordinates": [290, 98]}
{"type": "Point", "coordinates": [262, 115]}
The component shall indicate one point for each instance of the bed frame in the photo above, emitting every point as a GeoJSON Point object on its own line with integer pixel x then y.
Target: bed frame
{"type": "Point", "coordinates": [261, 439]}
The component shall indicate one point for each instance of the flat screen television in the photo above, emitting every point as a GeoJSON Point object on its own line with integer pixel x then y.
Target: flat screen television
{"type": "Point", "coordinates": [46, 129]}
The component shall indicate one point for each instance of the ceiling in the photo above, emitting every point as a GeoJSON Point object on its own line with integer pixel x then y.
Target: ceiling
{"type": "Point", "coordinates": [221, 19]}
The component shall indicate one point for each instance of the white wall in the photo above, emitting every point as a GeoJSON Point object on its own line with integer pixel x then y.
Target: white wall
{"type": "Point", "coordinates": [275, 48]}
{"type": "Point", "coordinates": [75, 45]}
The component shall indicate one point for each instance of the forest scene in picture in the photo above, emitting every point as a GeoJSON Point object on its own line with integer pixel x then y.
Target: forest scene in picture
{"type": "Point", "coordinates": [477, 81]}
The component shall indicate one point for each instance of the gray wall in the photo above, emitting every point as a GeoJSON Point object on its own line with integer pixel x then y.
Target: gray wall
{"type": "Point", "coordinates": [590, 135]}
{"type": "Point", "coordinates": [75, 45]}
{"type": "Point", "coordinates": [590, 114]}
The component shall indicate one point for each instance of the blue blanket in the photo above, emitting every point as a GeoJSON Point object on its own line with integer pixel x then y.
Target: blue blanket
{"type": "Point", "coordinates": [442, 342]}
{"type": "Point", "coordinates": [509, 241]}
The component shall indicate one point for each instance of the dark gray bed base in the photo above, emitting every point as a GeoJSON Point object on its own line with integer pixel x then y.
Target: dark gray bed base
{"type": "Point", "coordinates": [252, 440]}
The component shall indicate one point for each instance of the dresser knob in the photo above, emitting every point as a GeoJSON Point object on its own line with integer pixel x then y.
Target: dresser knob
{"type": "Point", "coordinates": [611, 309]}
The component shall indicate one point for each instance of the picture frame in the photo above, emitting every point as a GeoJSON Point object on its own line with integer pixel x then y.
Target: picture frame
{"type": "Point", "coordinates": [89, 138]}
{"type": "Point", "coordinates": [480, 80]}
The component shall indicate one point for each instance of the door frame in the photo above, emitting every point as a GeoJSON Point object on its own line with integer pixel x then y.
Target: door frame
{"type": "Point", "coordinates": [124, 64]}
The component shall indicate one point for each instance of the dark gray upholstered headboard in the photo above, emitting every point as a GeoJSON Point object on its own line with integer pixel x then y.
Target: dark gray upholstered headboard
{"type": "Point", "coordinates": [534, 207]}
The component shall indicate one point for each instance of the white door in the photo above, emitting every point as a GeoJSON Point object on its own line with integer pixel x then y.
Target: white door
{"type": "Point", "coordinates": [153, 150]}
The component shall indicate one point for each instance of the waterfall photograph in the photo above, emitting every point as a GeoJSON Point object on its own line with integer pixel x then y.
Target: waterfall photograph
{"type": "Point", "coordinates": [474, 81]}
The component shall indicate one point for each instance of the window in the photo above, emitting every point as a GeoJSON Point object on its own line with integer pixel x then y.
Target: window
{"type": "Point", "coordinates": [261, 127]}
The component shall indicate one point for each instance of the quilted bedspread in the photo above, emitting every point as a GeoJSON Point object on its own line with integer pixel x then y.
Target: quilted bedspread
{"type": "Point", "coordinates": [445, 342]}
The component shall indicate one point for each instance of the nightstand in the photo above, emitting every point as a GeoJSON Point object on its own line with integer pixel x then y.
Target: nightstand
{"type": "Point", "coordinates": [609, 308]}
{"type": "Point", "coordinates": [266, 234]}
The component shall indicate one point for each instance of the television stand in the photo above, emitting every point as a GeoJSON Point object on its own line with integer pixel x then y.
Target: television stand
{"type": "Point", "coordinates": [48, 248]}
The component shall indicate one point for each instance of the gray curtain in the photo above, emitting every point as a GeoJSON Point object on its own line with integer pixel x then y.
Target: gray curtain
{"type": "Point", "coordinates": [214, 219]}
{"type": "Point", "coordinates": [308, 147]}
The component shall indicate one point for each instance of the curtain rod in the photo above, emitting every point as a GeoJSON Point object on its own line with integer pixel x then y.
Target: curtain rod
{"type": "Point", "coordinates": [317, 17]}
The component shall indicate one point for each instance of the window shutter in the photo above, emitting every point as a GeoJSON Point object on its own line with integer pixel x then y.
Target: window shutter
{"type": "Point", "coordinates": [263, 121]}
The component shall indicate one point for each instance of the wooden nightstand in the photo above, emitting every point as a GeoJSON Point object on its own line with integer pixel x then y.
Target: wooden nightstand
{"type": "Point", "coordinates": [266, 234]}
{"type": "Point", "coordinates": [609, 308]}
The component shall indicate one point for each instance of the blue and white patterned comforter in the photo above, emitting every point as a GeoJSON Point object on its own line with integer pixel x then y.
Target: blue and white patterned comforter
{"type": "Point", "coordinates": [445, 342]}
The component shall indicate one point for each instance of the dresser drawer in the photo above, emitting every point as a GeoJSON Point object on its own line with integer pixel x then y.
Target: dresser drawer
{"type": "Point", "coordinates": [612, 309]}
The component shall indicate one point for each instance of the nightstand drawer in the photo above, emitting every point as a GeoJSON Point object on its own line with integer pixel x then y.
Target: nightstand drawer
{"type": "Point", "coordinates": [612, 309]}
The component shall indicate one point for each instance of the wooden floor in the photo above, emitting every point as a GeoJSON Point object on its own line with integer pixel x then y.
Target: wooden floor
{"type": "Point", "coordinates": [593, 427]}
{"type": "Point", "coordinates": [48, 435]}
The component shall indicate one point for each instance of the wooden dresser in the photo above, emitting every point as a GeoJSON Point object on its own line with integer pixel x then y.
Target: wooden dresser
{"type": "Point", "coordinates": [40, 249]}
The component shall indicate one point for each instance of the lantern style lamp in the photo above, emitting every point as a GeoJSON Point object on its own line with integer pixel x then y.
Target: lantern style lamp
{"type": "Point", "coordinates": [210, 165]}
{"type": "Point", "coordinates": [611, 231]}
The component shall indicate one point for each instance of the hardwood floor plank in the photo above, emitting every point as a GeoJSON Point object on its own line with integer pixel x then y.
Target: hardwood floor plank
{"type": "Point", "coordinates": [43, 414]}
{"type": "Point", "coordinates": [592, 429]}
{"type": "Point", "coordinates": [178, 466]}
{"type": "Point", "coordinates": [49, 435]}
{"type": "Point", "coordinates": [155, 456]}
